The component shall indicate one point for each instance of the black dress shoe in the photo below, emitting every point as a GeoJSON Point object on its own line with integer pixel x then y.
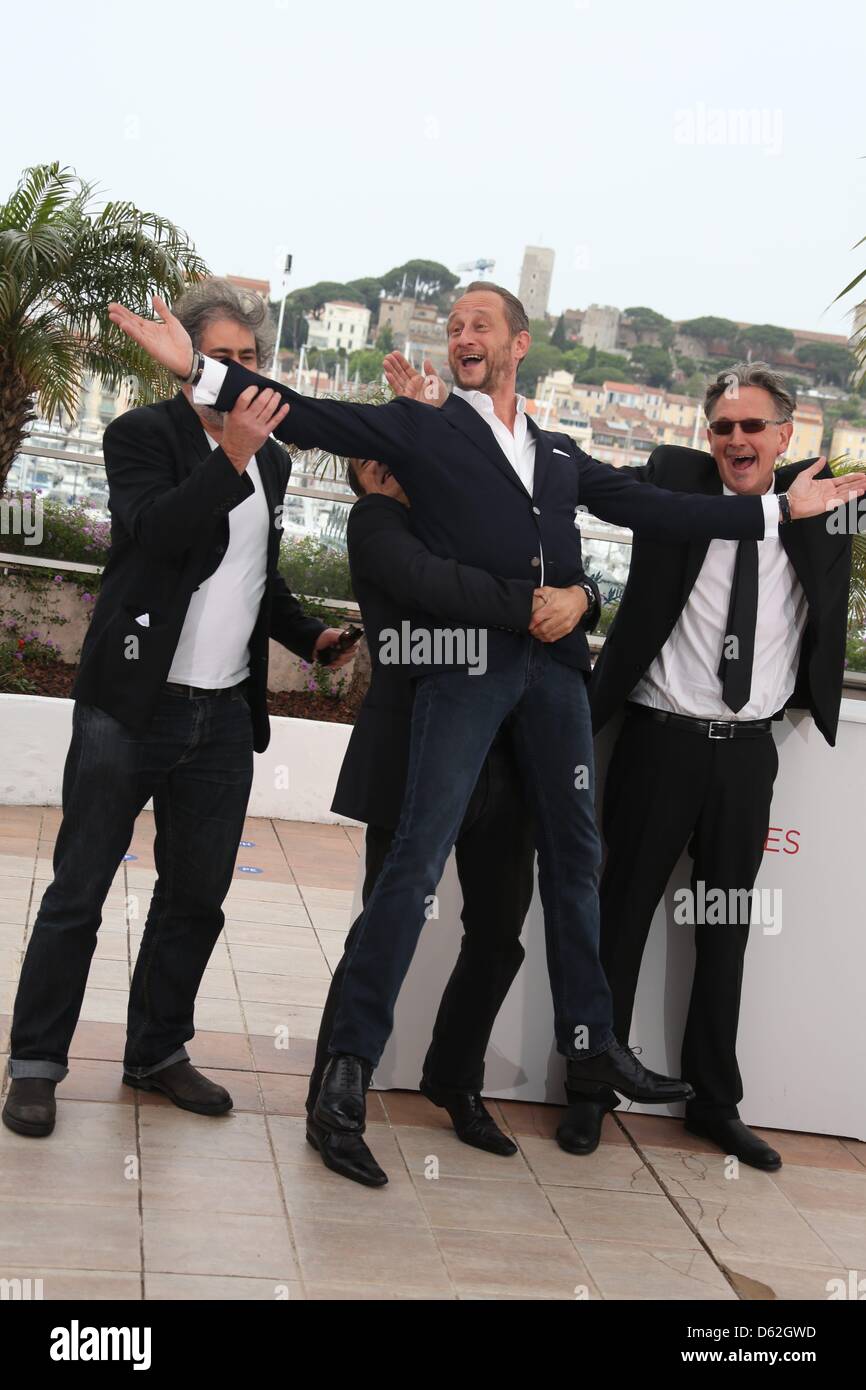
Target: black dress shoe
{"type": "Point", "coordinates": [342, 1100]}
{"type": "Point", "coordinates": [30, 1106]}
{"type": "Point", "coordinates": [733, 1137]}
{"type": "Point", "coordinates": [346, 1154]}
{"type": "Point", "coordinates": [472, 1122]}
{"type": "Point", "coordinates": [579, 1129]}
{"type": "Point", "coordinates": [620, 1069]}
{"type": "Point", "coordinates": [186, 1087]}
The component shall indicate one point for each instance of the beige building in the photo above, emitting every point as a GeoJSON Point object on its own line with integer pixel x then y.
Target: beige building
{"type": "Point", "coordinates": [536, 274]}
{"type": "Point", "coordinates": [849, 442]}
{"type": "Point", "coordinates": [341, 326]}
{"type": "Point", "coordinates": [418, 330]}
{"type": "Point", "coordinates": [808, 429]}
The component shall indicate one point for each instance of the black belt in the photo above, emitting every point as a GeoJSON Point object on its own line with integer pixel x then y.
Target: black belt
{"type": "Point", "coordinates": [708, 728]}
{"type": "Point", "coordinates": [189, 692]}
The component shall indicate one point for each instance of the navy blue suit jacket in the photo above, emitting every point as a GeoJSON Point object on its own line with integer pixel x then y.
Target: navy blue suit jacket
{"type": "Point", "coordinates": [468, 503]}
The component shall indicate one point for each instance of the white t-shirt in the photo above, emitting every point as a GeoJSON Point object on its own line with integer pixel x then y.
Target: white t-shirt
{"type": "Point", "coordinates": [214, 646]}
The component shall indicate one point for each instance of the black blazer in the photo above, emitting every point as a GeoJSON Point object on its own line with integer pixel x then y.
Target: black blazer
{"type": "Point", "coordinates": [468, 503]}
{"type": "Point", "coordinates": [395, 579]}
{"type": "Point", "coordinates": [169, 496]}
{"type": "Point", "coordinates": [661, 578]}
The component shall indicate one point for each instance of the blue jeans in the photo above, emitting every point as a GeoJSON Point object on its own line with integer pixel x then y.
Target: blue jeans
{"type": "Point", "coordinates": [195, 760]}
{"type": "Point", "coordinates": [454, 720]}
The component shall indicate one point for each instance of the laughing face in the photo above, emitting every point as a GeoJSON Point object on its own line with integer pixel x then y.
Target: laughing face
{"type": "Point", "coordinates": [482, 354]}
{"type": "Point", "coordinates": [745, 461]}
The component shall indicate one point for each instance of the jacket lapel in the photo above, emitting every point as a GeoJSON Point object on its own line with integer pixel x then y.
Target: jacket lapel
{"type": "Point", "coordinates": [543, 453]}
{"type": "Point", "coordinates": [191, 427]}
{"type": "Point", "coordinates": [271, 473]}
{"type": "Point", "coordinates": [462, 415]}
{"type": "Point", "coordinates": [711, 486]}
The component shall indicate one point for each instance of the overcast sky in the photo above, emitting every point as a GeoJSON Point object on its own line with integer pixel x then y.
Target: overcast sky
{"type": "Point", "coordinates": [360, 135]}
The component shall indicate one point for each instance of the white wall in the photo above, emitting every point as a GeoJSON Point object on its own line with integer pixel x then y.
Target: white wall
{"type": "Point", "coordinates": [294, 778]}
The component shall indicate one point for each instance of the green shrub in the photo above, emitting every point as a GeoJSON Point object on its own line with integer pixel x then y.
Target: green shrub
{"type": "Point", "coordinates": [311, 567]}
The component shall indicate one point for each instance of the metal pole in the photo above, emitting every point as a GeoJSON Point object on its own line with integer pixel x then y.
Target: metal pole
{"type": "Point", "coordinates": [286, 273]}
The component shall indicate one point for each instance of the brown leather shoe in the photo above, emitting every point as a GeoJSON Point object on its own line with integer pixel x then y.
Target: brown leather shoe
{"type": "Point", "coordinates": [185, 1087]}
{"type": "Point", "coordinates": [30, 1106]}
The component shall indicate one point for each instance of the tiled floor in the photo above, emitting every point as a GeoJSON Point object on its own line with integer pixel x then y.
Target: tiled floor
{"type": "Point", "coordinates": [133, 1198]}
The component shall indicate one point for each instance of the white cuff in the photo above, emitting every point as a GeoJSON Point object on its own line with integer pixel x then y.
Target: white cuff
{"type": "Point", "coordinates": [210, 383]}
{"type": "Point", "coordinates": [770, 503]}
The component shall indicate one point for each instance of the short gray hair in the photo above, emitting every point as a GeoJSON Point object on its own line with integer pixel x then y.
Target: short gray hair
{"type": "Point", "coordinates": [212, 299]}
{"type": "Point", "coordinates": [760, 374]}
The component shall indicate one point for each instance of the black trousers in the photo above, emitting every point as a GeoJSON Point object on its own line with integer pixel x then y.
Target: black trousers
{"type": "Point", "coordinates": [495, 856]}
{"type": "Point", "coordinates": [668, 788]}
{"type": "Point", "coordinates": [196, 760]}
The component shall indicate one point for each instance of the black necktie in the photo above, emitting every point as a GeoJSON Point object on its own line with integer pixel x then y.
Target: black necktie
{"type": "Point", "coordinates": [738, 651]}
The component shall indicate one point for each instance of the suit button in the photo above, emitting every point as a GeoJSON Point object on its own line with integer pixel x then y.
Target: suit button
{"type": "Point", "coordinates": [535, 562]}
{"type": "Point", "coordinates": [537, 511]}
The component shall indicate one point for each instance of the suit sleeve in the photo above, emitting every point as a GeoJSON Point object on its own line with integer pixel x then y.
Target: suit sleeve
{"type": "Point", "coordinates": [384, 550]}
{"type": "Point", "coordinates": [353, 430]}
{"type": "Point", "coordinates": [290, 625]}
{"type": "Point", "coordinates": [161, 515]}
{"type": "Point", "coordinates": [615, 495]}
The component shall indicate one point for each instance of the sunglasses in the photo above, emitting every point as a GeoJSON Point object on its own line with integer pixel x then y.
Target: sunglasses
{"type": "Point", "coordinates": [747, 426]}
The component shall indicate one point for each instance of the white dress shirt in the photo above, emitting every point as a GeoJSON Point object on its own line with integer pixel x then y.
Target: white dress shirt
{"type": "Point", "coordinates": [684, 679]}
{"type": "Point", "coordinates": [214, 646]}
{"type": "Point", "coordinates": [517, 446]}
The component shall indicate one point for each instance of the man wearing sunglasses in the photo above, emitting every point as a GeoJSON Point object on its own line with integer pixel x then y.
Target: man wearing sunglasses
{"type": "Point", "coordinates": [713, 640]}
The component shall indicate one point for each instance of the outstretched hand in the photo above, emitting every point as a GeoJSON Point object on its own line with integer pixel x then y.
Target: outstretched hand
{"type": "Point", "coordinates": [166, 341]}
{"type": "Point", "coordinates": [406, 380]}
{"type": "Point", "coordinates": [811, 496]}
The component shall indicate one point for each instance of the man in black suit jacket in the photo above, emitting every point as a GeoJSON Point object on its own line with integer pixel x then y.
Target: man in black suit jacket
{"type": "Point", "coordinates": [695, 761]}
{"type": "Point", "coordinates": [398, 581]}
{"type": "Point", "coordinates": [487, 487]}
{"type": "Point", "coordinates": [170, 703]}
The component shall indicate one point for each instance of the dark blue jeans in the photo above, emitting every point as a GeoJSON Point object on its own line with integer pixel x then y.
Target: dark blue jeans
{"type": "Point", "coordinates": [454, 720]}
{"type": "Point", "coordinates": [195, 760]}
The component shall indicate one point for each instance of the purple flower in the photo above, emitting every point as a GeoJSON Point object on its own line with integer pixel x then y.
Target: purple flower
{"type": "Point", "coordinates": [58, 579]}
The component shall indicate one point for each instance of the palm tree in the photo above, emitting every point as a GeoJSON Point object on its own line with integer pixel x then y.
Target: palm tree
{"type": "Point", "coordinates": [62, 261]}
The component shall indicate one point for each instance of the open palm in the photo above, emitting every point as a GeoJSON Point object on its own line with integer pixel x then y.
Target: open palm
{"type": "Point", "coordinates": [810, 496]}
{"type": "Point", "coordinates": [406, 380]}
{"type": "Point", "coordinates": [164, 339]}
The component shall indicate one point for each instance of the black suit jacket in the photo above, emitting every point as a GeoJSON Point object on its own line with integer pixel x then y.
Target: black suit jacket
{"type": "Point", "coordinates": [396, 579]}
{"type": "Point", "coordinates": [661, 577]}
{"type": "Point", "coordinates": [468, 503]}
{"type": "Point", "coordinates": [169, 496]}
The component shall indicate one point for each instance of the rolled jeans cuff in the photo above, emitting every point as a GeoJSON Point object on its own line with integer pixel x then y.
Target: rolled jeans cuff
{"type": "Point", "coordinates": [49, 1071]}
{"type": "Point", "coordinates": [180, 1056]}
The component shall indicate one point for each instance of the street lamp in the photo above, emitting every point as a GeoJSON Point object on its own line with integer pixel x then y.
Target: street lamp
{"type": "Point", "coordinates": [286, 273]}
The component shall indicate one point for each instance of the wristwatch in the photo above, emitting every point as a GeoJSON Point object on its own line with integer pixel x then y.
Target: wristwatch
{"type": "Point", "coordinates": [784, 508]}
{"type": "Point", "coordinates": [193, 376]}
{"type": "Point", "coordinates": [593, 610]}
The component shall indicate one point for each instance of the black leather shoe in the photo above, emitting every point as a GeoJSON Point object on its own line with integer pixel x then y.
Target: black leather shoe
{"type": "Point", "coordinates": [186, 1087]}
{"type": "Point", "coordinates": [579, 1130]}
{"type": "Point", "coordinates": [30, 1106]}
{"type": "Point", "coordinates": [342, 1100]}
{"type": "Point", "coordinates": [733, 1137]}
{"type": "Point", "coordinates": [472, 1122]}
{"type": "Point", "coordinates": [620, 1069]}
{"type": "Point", "coordinates": [346, 1154]}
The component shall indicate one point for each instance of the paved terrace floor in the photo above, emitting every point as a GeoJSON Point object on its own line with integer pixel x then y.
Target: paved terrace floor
{"type": "Point", "coordinates": [131, 1198]}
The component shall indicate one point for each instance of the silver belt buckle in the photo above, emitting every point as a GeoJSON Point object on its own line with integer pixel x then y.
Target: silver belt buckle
{"type": "Point", "coordinates": [727, 730]}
